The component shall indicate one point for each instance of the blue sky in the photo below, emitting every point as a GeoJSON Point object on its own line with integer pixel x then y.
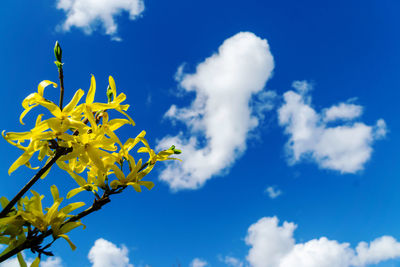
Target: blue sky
{"type": "Point", "coordinates": [300, 98]}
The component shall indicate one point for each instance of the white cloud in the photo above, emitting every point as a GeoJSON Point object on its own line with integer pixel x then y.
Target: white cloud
{"type": "Point", "coordinates": [343, 111]}
{"type": "Point", "coordinates": [89, 14]}
{"type": "Point", "coordinates": [274, 246]}
{"type": "Point", "coordinates": [380, 129]}
{"type": "Point", "coordinates": [270, 242]}
{"type": "Point", "coordinates": [107, 254]}
{"type": "Point", "coordinates": [273, 192]}
{"type": "Point", "coordinates": [198, 263]}
{"type": "Point", "coordinates": [345, 148]}
{"type": "Point", "coordinates": [385, 247]}
{"type": "Point", "coordinates": [51, 262]}
{"type": "Point", "coordinates": [302, 86]}
{"type": "Point", "coordinates": [232, 261]}
{"type": "Point", "coordinates": [13, 262]}
{"type": "Point", "coordinates": [221, 116]}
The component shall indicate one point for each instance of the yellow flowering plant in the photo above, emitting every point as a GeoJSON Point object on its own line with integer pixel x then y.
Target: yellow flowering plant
{"type": "Point", "coordinates": [80, 139]}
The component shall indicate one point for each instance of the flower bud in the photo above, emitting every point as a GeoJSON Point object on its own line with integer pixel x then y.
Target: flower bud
{"type": "Point", "coordinates": [58, 51]}
{"type": "Point", "coordinates": [176, 151]}
{"type": "Point", "coordinates": [109, 94]}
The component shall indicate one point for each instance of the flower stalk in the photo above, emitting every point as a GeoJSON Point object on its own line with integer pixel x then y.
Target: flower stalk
{"type": "Point", "coordinates": [59, 64]}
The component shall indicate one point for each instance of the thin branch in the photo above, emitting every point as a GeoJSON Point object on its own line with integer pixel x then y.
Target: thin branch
{"type": "Point", "coordinates": [37, 240]}
{"type": "Point", "coordinates": [61, 77]}
{"type": "Point", "coordinates": [143, 167]}
{"type": "Point", "coordinates": [59, 152]}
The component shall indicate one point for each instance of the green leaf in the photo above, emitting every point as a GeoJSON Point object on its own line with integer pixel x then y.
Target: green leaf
{"type": "Point", "coordinates": [21, 260]}
{"type": "Point", "coordinates": [36, 262]}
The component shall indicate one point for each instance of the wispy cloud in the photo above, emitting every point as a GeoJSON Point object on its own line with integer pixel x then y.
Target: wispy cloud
{"type": "Point", "coordinates": [344, 146]}
{"type": "Point", "coordinates": [273, 245]}
{"type": "Point", "coordinates": [106, 254]}
{"type": "Point", "coordinates": [90, 15]}
{"type": "Point", "coordinates": [198, 263]}
{"type": "Point", "coordinates": [273, 192]}
{"type": "Point", "coordinates": [220, 118]}
{"type": "Point", "coordinates": [232, 261]}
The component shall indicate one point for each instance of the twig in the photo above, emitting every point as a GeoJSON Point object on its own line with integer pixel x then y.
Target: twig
{"type": "Point", "coordinates": [37, 240]}
{"type": "Point", "coordinates": [61, 77]}
{"type": "Point", "coordinates": [59, 152]}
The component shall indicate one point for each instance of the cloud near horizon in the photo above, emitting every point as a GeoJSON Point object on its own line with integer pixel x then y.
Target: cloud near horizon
{"type": "Point", "coordinates": [48, 262]}
{"type": "Point", "coordinates": [273, 245]}
{"type": "Point", "coordinates": [222, 114]}
{"type": "Point", "coordinates": [333, 138]}
{"type": "Point", "coordinates": [89, 15]}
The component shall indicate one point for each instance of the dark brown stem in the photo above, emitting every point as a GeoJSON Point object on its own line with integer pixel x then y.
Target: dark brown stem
{"type": "Point", "coordinates": [143, 167]}
{"type": "Point", "coordinates": [60, 152]}
{"type": "Point", "coordinates": [37, 240]}
{"type": "Point", "coordinates": [98, 204]}
{"type": "Point", "coordinates": [29, 243]}
{"type": "Point", "coordinates": [61, 77]}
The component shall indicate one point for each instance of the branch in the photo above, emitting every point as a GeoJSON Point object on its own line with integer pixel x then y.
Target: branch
{"type": "Point", "coordinates": [59, 152]}
{"type": "Point", "coordinates": [37, 240]}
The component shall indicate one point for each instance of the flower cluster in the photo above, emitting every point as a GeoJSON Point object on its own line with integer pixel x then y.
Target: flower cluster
{"type": "Point", "coordinates": [86, 130]}
{"type": "Point", "coordinates": [82, 139]}
{"type": "Point", "coordinates": [30, 212]}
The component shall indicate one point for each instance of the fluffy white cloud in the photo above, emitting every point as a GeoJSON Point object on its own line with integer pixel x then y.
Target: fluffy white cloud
{"type": "Point", "coordinates": [273, 192]}
{"type": "Point", "coordinates": [222, 114]}
{"type": "Point", "coordinates": [345, 148]}
{"type": "Point", "coordinates": [198, 263]}
{"type": "Point", "coordinates": [13, 262]}
{"type": "Point", "coordinates": [106, 254]}
{"type": "Point", "coordinates": [385, 247]}
{"type": "Point", "coordinates": [270, 242]}
{"type": "Point", "coordinates": [10, 263]}
{"type": "Point", "coordinates": [273, 245]}
{"type": "Point", "coordinates": [89, 14]}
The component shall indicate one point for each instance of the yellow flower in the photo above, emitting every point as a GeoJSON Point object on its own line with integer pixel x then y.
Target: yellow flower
{"type": "Point", "coordinates": [87, 130]}
{"type": "Point", "coordinates": [30, 211]}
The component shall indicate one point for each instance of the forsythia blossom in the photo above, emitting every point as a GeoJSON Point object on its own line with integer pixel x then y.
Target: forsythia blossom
{"type": "Point", "coordinates": [89, 151]}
